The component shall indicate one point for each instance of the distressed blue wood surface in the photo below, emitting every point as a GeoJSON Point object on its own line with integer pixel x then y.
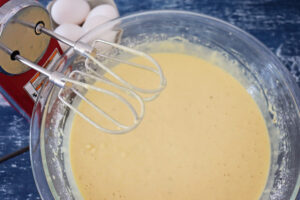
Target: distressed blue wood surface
{"type": "Point", "coordinates": [276, 23]}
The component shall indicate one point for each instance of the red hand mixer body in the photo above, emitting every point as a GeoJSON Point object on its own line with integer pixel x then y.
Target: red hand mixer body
{"type": "Point", "coordinates": [19, 84]}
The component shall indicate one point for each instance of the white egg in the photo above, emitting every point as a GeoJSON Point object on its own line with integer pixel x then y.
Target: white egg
{"type": "Point", "coordinates": [70, 11]}
{"type": "Point", "coordinates": [93, 22]}
{"type": "Point", "coordinates": [105, 10]}
{"type": "Point", "coordinates": [70, 31]}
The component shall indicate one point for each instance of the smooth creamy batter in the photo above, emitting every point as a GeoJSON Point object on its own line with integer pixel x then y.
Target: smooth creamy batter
{"type": "Point", "coordinates": [203, 138]}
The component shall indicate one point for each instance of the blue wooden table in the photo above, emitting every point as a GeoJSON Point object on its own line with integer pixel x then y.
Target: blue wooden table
{"type": "Point", "coordinates": [276, 23]}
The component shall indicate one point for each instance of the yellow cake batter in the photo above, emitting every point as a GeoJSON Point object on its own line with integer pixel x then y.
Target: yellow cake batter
{"type": "Point", "coordinates": [203, 138]}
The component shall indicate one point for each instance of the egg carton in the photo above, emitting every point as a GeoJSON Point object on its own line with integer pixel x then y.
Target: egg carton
{"type": "Point", "coordinates": [92, 3]}
{"type": "Point", "coordinates": [116, 35]}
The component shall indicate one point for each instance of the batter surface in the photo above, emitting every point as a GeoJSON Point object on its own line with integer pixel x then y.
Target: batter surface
{"type": "Point", "coordinates": [203, 138]}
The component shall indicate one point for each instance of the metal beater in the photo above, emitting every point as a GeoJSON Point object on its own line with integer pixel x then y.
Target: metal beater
{"type": "Point", "coordinates": [64, 82]}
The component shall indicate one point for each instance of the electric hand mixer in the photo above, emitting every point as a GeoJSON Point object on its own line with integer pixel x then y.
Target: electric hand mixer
{"type": "Point", "coordinates": [41, 27]}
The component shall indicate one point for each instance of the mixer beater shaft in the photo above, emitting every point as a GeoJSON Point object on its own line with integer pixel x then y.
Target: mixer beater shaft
{"type": "Point", "coordinates": [90, 52]}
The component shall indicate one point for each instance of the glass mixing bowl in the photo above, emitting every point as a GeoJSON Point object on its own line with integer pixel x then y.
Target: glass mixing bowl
{"type": "Point", "coordinates": [249, 61]}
